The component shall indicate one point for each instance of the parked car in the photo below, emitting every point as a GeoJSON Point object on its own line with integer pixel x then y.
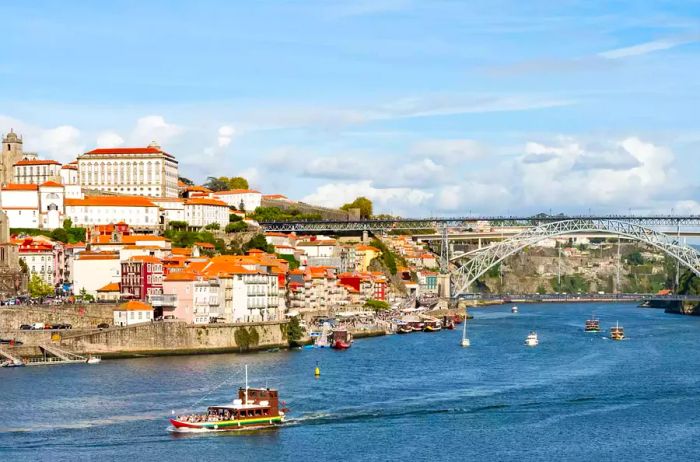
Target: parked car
{"type": "Point", "coordinates": [25, 327]}
{"type": "Point", "coordinates": [38, 326]}
{"type": "Point", "coordinates": [4, 341]}
{"type": "Point", "coordinates": [62, 326]}
{"type": "Point", "coordinates": [103, 325]}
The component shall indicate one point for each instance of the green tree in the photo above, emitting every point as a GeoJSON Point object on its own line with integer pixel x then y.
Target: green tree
{"type": "Point", "coordinates": [238, 182]}
{"type": "Point", "coordinates": [635, 258]}
{"type": "Point", "coordinates": [187, 181]}
{"type": "Point", "coordinates": [388, 256]}
{"type": "Point", "coordinates": [86, 297]}
{"type": "Point", "coordinates": [67, 224]}
{"type": "Point", "coordinates": [213, 226]}
{"type": "Point", "coordinates": [60, 234]}
{"type": "Point", "coordinates": [177, 225]}
{"type": "Point", "coordinates": [377, 305]}
{"type": "Point", "coordinates": [258, 242]}
{"type": "Point", "coordinates": [232, 218]}
{"type": "Point", "coordinates": [293, 262]}
{"type": "Point", "coordinates": [294, 331]}
{"type": "Point", "coordinates": [362, 203]}
{"type": "Point", "coordinates": [39, 288]}
{"type": "Point", "coordinates": [223, 183]}
{"type": "Point", "coordinates": [235, 227]}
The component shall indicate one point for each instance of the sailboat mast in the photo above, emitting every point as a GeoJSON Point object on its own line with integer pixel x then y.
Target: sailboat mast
{"type": "Point", "coordinates": [464, 327]}
{"type": "Point", "coordinates": [246, 384]}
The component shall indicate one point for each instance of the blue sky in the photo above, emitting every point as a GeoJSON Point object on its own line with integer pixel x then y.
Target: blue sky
{"type": "Point", "coordinates": [426, 107]}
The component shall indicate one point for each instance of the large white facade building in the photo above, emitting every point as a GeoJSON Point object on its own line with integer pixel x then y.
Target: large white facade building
{"type": "Point", "coordinates": [21, 204]}
{"type": "Point", "coordinates": [242, 199]}
{"type": "Point", "coordinates": [148, 171]}
{"type": "Point", "coordinates": [138, 212]}
{"type": "Point", "coordinates": [203, 211]}
{"type": "Point", "coordinates": [93, 270]}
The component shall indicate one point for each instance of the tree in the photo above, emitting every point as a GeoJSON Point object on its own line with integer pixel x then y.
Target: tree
{"type": "Point", "coordinates": [236, 227]}
{"type": "Point", "coordinates": [635, 258]}
{"type": "Point", "coordinates": [86, 297]}
{"type": "Point", "coordinates": [377, 305]}
{"type": "Point", "coordinates": [293, 262]}
{"type": "Point", "coordinates": [67, 224]}
{"type": "Point", "coordinates": [187, 181]}
{"type": "Point", "coordinates": [178, 225]}
{"type": "Point", "coordinates": [294, 331]}
{"type": "Point", "coordinates": [259, 242]}
{"type": "Point", "coordinates": [60, 234]}
{"type": "Point", "coordinates": [362, 203]}
{"type": "Point", "coordinates": [232, 217]}
{"type": "Point", "coordinates": [39, 288]}
{"type": "Point", "coordinates": [223, 183]}
{"type": "Point", "coordinates": [213, 225]}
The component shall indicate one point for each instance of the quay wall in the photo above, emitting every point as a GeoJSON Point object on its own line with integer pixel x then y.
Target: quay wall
{"type": "Point", "coordinates": [173, 337]}
{"type": "Point", "coordinates": [80, 316]}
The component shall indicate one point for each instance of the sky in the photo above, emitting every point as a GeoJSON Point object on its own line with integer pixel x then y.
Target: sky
{"type": "Point", "coordinates": [435, 108]}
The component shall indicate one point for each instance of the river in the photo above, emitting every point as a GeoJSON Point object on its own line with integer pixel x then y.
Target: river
{"type": "Point", "coordinates": [420, 396]}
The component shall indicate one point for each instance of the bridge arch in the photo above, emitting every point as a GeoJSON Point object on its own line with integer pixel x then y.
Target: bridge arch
{"type": "Point", "coordinates": [490, 256]}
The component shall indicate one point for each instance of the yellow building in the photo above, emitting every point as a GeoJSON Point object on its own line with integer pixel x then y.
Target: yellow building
{"type": "Point", "coordinates": [364, 255]}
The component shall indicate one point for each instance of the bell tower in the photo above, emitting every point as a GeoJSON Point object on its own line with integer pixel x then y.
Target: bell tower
{"type": "Point", "coordinates": [11, 154]}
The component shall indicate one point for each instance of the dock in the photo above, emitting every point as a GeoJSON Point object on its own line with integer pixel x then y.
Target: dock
{"type": "Point", "coordinates": [49, 355]}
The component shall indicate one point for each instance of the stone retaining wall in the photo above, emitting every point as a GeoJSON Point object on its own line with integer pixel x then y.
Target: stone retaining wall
{"type": "Point", "coordinates": [173, 337]}
{"type": "Point", "coordinates": [80, 316]}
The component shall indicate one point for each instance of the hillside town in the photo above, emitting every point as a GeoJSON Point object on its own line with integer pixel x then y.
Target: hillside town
{"type": "Point", "coordinates": [97, 229]}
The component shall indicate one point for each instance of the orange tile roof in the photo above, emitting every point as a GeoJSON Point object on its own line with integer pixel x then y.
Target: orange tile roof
{"type": "Point", "coordinates": [198, 188]}
{"type": "Point", "coordinates": [275, 196]}
{"type": "Point", "coordinates": [111, 201]}
{"type": "Point", "coordinates": [134, 238]}
{"type": "Point", "coordinates": [205, 201]}
{"type": "Point", "coordinates": [20, 187]}
{"type": "Point", "coordinates": [135, 305]}
{"type": "Point", "coordinates": [182, 276]}
{"type": "Point", "coordinates": [145, 259]}
{"type": "Point", "coordinates": [366, 247]}
{"type": "Point", "coordinates": [85, 255]}
{"type": "Point", "coordinates": [37, 162]}
{"type": "Point", "coordinates": [236, 191]}
{"type": "Point", "coordinates": [52, 184]}
{"type": "Point", "coordinates": [204, 245]}
{"type": "Point", "coordinates": [111, 287]}
{"type": "Point", "coordinates": [70, 166]}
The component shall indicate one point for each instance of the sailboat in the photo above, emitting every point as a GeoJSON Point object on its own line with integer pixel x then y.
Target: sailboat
{"type": "Point", "coordinates": [465, 340]}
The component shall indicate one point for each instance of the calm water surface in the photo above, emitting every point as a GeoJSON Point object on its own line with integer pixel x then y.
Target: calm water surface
{"type": "Point", "coordinates": [413, 397]}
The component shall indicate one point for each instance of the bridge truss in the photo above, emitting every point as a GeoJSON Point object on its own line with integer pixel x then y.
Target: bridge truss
{"type": "Point", "coordinates": [467, 222]}
{"type": "Point", "coordinates": [480, 262]}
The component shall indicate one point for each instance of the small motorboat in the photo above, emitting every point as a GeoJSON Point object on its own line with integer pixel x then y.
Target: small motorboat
{"type": "Point", "coordinates": [592, 325]}
{"type": "Point", "coordinates": [10, 363]}
{"type": "Point", "coordinates": [514, 309]}
{"type": "Point", "coordinates": [341, 339]}
{"type": "Point", "coordinates": [93, 360]}
{"type": "Point", "coordinates": [532, 339]}
{"type": "Point", "coordinates": [432, 325]}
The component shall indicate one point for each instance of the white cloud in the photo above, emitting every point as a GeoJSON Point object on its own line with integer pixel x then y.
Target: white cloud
{"type": "Point", "coordinates": [450, 151]}
{"type": "Point", "coordinates": [647, 47]}
{"type": "Point", "coordinates": [109, 140]}
{"type": "Point", "coordinates": [399, 201]}
{"type": "Point", "coordinates": [226, 134]}
{"type": "Point", "coordinates": [61, 143]}
{"type": "Point", "coordinates": [154, 128]}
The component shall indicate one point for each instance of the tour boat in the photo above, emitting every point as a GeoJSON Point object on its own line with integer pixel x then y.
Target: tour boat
{"type": "Point", "coordinates": [592, 325]}
{"type": "Point", "coordinates": [341, 339]}
{"type": "Point", "coordinates": [93, 360]}
{"type": "Point", "coordinates": [417, 326]}
{"type": "Point", "coordinates": [617, 332]}
{"type": "Point", "coordinates": [514, 309]}
{"type": "Point", "coordinates": [532, 339]}
{"type": "Point", "coordinates": [404, 328]}
{"type": "Point", "coordinates": [432, 325]}
{"type": "Point", "coordinates": [457, 319]}
{"type": "Point", "coordinates": [255, 408]}
{"type": "Point", "coordinates": [10, 363]}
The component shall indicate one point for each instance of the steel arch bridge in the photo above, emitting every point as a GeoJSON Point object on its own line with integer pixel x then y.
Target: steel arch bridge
{"type": "Point", "coordinates": [481, 261]}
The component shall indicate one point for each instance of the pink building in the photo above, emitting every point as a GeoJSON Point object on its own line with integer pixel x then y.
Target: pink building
{"type": "Point", "coordinates": [178, 295]}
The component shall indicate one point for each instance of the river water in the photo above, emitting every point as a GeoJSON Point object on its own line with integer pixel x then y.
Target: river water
{"type": "Point", "coordinates": [420, 396]}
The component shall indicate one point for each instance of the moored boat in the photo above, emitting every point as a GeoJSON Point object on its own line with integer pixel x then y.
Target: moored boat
{"type": "Point", "coordinates": [617, 332]}
{"type": "Point", "coordinates": [403, 328]}
{"type": "Point", "coordinates": [93, 359]}
{"type": "Point", "coordinates": [432, 325]}
{"type": "Point", "coordinates": [417, 326]}
{"type": "Point", "coordinates": [255, 408]}
{"type": "Point", "coordinates": [532, 339]}
{"type": "Point", "coordinates": [448, 322]}
{"type": "Point", "coordinates": [341, 339]}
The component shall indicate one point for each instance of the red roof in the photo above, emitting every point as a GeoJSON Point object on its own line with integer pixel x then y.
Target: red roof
{"type": "Point", "coordinates": [205, 201]}
{"type": "Point", "coordinates": [52, 184]}
{"type": "Point", "coordinates": [37, 162]}
{"type": "Point", "coordinates": [110, 201]}
{"type": "Point", "coordinates": [146, 150]}
{"type": "Point", "coordinates": [20, 187]}
{"type": "Point", "coordinates": [237, 191]}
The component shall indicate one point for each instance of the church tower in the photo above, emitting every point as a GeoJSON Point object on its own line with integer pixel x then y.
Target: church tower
{"type": "Point", "coordinates": [11, 154]}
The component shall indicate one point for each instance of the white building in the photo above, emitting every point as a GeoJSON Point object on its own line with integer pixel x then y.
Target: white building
{"type": "Point", "coordinates": [36, 171]}
{"type": "Point", "coordinates": [203, 211]}
{"type": "Point", "coordinates": [94, 270]}
{"type": "Point", "coordinates": [69, 174]}
{"type": "Point", "coordinates": [138, 212]}
{"type": "Point", "coordinates": [171, 208]}
{"type": "Point", "coordinates": [133, 312]}
{"type": "Point", "coordinates": [148, 171]}
{"type": "Point", "coordinates": [242, 199]}
{"type": "Point", "coordinates": [51, 208]}
{"type": "Point", "coordinates": [21, 204]}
